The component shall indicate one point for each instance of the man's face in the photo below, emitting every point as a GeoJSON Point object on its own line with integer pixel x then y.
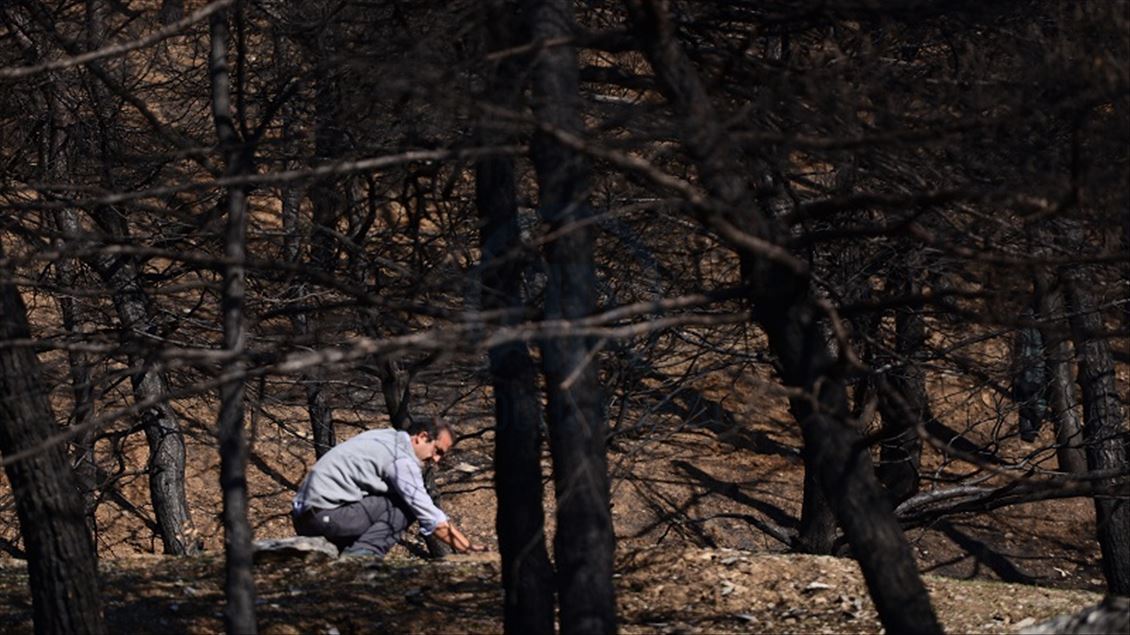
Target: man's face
{"type": "Point", "coordinates": [430, 450]}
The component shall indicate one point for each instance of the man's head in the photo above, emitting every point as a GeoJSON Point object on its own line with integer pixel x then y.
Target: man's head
{"type": "Point", "coordinates": [431, 438]}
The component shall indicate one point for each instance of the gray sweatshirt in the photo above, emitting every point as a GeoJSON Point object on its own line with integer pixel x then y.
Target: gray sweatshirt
{"type": "Point", "coordinates": [372, 462]}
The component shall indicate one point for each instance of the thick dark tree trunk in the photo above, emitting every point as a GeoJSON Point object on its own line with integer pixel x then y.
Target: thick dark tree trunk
{"type": "Point", "coordinates": [159, 421]}
{"type": "Point", "coordinates": [239, 613]}
{"type": "Point", "coordinates": [527, 574]}
{"type": "Point", "coordinates": [791, 318]}
{"type": "Point", "coordinates": [844, 469]}
{"type": "Point", "coordinates": [903, 402]}
{"type": "Point", "coordinates": [1104, 430]}
{"type": "Point", "coordinates": [1062, 399]}
{"type": "Point", "coordinates": [60, 555]}
{"type": "Point", "coordinates": [584, 541]}
{"type": "Point", "coordinates": [817, 530]}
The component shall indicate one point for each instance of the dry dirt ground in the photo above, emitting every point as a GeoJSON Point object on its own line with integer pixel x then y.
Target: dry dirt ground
{"type": "Point", "coordinates": [660, 590]}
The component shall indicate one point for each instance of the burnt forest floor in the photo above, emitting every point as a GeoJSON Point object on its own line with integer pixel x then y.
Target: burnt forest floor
{"type": "Point", "coordinates": [660, 590]}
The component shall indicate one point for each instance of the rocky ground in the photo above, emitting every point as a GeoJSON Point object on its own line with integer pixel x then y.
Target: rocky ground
{"type": "Point", "coordinates": [660, 590]}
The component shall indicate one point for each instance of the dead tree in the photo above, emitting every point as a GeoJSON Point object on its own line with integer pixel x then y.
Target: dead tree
{"type": "Point", "coordinates": [60, 554]}
{"type": "Point", "coordinates": [1104, 430]}
{"type": "Point", "coordinates": [239, 613]}
{"type": "Point", "coordinates": [124, 275]}
{"type": "Point", "coordinates": [794, 323]}
{"type": "Point", "coordinates": [903, 402]}
{"type": "Point", "coordinates": [1062, 394]}
{"type": "Point", "coordinates": [584, 541]}
{"type": "Point", "coordinates": [162, 428]}
{"type": "Point", "coordinates": [527, 574]}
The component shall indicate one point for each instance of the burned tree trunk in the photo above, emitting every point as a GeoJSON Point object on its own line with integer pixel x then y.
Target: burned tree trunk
{"type": "Point", "coordinates": [817, 531]}
{"type": "Point", "coordinates": [1104, 431]}
{"type": "Point", "coordinates": [60, 555]}
{"type": "Point", "coordinates": [903, 402]}
{"type": "Point", "coordinates": [239, 613]}
{"type": "Point", "coordinates": [785, 308]}
{"type": "Point", "coordinates": [584, 541]}
{"type": "Point", "coordinates": [158, 420]}
{"type": "Point", "coordinates": [1029, 377]}
{"type": "Point", "coordinates": [1061, 397]}
{"type": "Point", "coordinates": [394, 387]}
{"type": "Point", "coordinates": [527, 574]}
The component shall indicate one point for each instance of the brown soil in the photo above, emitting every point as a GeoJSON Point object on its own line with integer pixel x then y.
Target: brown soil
{"type": "Point", "coordinates": [661, 590]}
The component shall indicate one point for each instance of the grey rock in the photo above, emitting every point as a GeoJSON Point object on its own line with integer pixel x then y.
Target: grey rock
{"type": "Point", "coordinates": [1112, 615]}
{"type": "Point", "coordinates": [304, 548]}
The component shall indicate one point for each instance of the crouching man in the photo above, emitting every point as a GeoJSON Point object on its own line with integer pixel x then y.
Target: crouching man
{"type": "Point", "coordinates": [363, 493]}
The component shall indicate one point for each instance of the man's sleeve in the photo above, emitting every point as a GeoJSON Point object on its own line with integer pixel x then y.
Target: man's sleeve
{"type": "Point", "coordinates": [409, 483]}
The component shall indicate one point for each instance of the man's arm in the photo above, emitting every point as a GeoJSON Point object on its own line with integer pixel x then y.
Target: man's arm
{"type": "Point", "coordinates": [405, 478]}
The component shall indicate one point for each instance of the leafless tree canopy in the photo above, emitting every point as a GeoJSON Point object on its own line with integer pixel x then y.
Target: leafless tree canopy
{"type": "Point", "coordinates": [907, 218]}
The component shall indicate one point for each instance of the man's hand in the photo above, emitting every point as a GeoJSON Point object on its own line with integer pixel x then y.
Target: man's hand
{"type": "Point", "coordinates": [451, 535]}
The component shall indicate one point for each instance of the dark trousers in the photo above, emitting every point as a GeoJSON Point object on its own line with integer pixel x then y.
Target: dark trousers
{"type": "Point", "coordinates": [374, 523]}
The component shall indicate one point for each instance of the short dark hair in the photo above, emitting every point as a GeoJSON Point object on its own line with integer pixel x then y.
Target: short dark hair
{"type": "Point", "coordinates": [432, 425]}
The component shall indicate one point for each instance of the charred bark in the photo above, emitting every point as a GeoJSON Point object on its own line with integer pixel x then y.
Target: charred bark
{"type": "Point", "coordinates": [817, 530]}
{"type": "Point", "coordinates": [785, 308]}
{"type": "Point", "coordinates": [150, 385]}
{"type": "Point", "coordinates": [584, 541]}
{"type": "Point", "coordinates": [395, 387]}
{"type": "Point", "coordinates": [1062, 397]}
{"type": "Point", "coordinates": [1029, 377]}
{"type": "Point", "coordinates": [1104, 430]}
{"type": "Point", "coordinates": [903, 402]}
{"type": "Point", "coordinates": [60, 554]}
{"type": "Point", "coordinates": [239, 612]}
{"type": "Point", "coordinates": [527, 573]}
